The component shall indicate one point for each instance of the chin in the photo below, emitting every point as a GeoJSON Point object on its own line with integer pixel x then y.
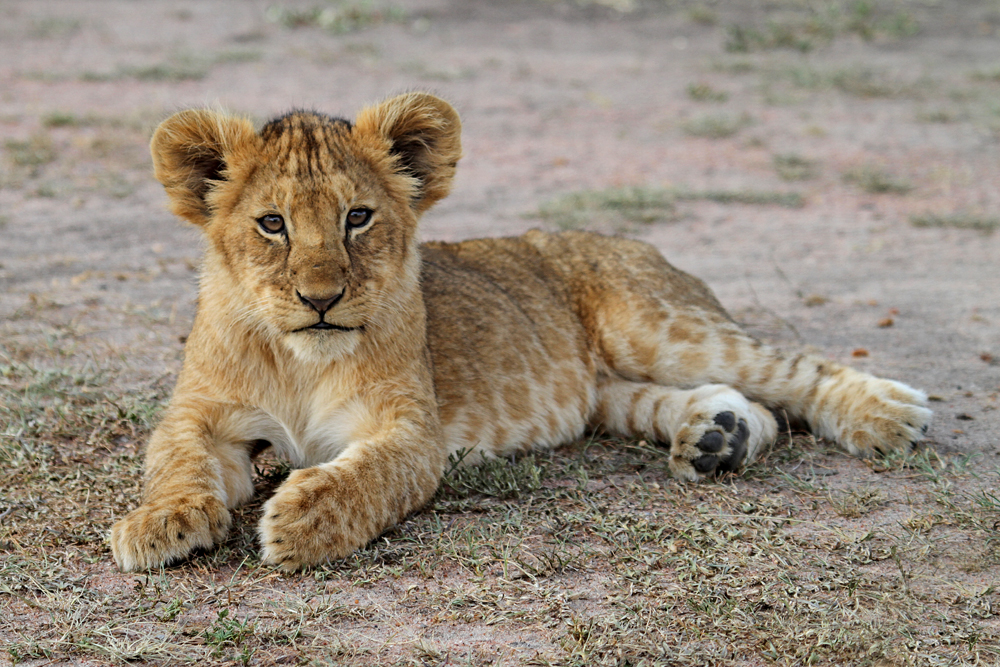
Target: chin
{"type": "Point", "coordinates": [318, 346]}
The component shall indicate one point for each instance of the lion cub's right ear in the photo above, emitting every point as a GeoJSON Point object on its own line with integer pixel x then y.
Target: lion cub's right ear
{"type": "Point", "coordinates": [193, 151]}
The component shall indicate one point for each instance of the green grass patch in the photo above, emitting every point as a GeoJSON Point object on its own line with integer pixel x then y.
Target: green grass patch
{"type": "Point", "coordinates": [36, 151]}
{"type": "Point", "coordinates": [614, 205]}
{"type": "Point", "coordinates": [179, 67]}
{"type": "Point", "coordinates": [794, 167]}
{"type": "Point", "coordinates": [716, 125]}
{"type": "Point", "coordinates": [60, 119]}
{"type": "Point", "coordinates": [855, 80]}
{"type": "Point", "coordinates": [494, 477]}
{"type": "Point", "coordinates": [806, 26]}
{"type": "Point", "coordinates": [743, 39]}
{"type": "Point", "coordinates": [337, 17]}
{"type": "Point", "coordinates": [875, 179]}
{"type": "Point", "coordinates": [734, 65]}
{"type": "Point", "coordinates": [182, 69]}
{"type": "Point", "coordinates": [989, 75]}
{"type": "Point", "coordinates": [228, 635]}
{"type": "Point", "coordinates": [863, 81]}
{"type": "Point", "coordinates": [937, 116]}
{"type": "Point", "coordinates": [751, 197]}
{"type": "Point", "coordinates": [643, 205]}
{"type": "Point", "coordinates": [702, 14]}
{"type": "Point", "coordinates": [703, 92]}
{"type": "Point", "coordinates": [958, 220]}
{"type": "Point", "coordinates": [54, 27]}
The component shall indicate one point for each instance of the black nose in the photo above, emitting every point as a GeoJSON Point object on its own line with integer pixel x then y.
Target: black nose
{"type": "Point", "coordinates": [320, 305]}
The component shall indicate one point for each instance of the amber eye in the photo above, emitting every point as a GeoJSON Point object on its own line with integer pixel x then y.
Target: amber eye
{"type": "Point", "coordinates": [358, 217]}
{"type": "Point", "coordinates": [271, 223]}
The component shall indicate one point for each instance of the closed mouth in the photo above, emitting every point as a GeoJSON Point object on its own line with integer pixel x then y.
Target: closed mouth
{"type": "Point", "coordinates": [326, 326]}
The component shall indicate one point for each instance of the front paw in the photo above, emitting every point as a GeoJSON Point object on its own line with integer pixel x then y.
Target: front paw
{"type": "Point", "coordinates": [311, 519]}
{"type": "Point", "coordinates": [167, 530]}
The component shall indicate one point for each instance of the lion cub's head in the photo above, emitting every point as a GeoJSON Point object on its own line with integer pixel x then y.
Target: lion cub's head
{"type": "Point", "coordinates": [311, 220]}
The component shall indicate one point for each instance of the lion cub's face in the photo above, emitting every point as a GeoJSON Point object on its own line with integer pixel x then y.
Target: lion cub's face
{"type": "Point", "coordinates": [312, 220]}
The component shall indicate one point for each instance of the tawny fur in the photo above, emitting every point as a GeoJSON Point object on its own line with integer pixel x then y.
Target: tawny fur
{"type": "Point", "coordinates": [488, 347]}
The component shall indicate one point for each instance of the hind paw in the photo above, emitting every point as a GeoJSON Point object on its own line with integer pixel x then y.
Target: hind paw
{"type": "Point", "coordinates": [877, 416]}
{"type": "Point", "coordinates": [721, 431]}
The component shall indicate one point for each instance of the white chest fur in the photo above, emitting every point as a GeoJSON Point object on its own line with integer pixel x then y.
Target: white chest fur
{"type": "Point", "coordinates": [306, 426]}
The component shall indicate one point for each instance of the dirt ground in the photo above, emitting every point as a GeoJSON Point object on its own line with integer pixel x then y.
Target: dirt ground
{"type": "Point", "coordinates": [832, 170]}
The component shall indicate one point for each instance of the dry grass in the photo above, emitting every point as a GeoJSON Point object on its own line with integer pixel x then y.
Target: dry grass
{"type": "Point", "coordinates": [590, 555]}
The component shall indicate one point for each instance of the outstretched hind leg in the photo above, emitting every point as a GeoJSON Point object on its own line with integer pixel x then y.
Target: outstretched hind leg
{"type": "Point", "coordinates": [687, 347]}
{"type": "Point", "coordinates": [710, 429]}
{"type": "Point", "coordinates": [651, 323]}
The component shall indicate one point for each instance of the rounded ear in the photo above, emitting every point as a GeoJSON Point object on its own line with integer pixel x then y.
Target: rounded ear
{"type": "Point", "coordinates": [192, 151]}
{"type": "Point", "coordinates": [423, 135]}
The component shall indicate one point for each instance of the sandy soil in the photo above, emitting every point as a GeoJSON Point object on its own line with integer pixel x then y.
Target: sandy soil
{"type": "Point", "coordinates": [555, 97]}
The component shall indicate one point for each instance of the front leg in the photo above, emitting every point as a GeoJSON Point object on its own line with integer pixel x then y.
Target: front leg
{"type": "Point", "coordinates": [327, 511]}
{"type": "Point", "coordinates": [196, 469]}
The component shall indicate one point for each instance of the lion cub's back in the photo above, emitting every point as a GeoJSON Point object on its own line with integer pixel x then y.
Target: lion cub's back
{"type": "Point", "coordinates": [513, 367]}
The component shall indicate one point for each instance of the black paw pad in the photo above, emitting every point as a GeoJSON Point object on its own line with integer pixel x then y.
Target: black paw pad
{"type": "Point", "coordinates": [726, 420]}
{"type": "Point", "coordinates": [712, 442]}
{"type": "Point", "coordinates": [742, 432]}
{"type": "Point", "coordinates": [706, 463]}
{"type": "Point", "coordinates": [739, 447]}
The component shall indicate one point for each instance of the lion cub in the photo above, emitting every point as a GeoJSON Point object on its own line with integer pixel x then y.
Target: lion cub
{"type": "Point", "coordinates": [326, 330]}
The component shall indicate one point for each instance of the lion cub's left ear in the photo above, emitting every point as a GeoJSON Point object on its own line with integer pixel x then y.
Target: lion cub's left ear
{"type": "Point", "coordinates": [195, 150]}
{"type": "Point", "coordinates": [422, 133]}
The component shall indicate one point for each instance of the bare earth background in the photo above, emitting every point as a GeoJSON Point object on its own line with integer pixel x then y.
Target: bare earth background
{"type": "Point", "coordinates": [831, 169]}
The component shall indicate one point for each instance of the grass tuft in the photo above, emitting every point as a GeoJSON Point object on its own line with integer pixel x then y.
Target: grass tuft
{"type": "Point", "coordinates": [615, 205]}
{"type": "Point", "coordinates": [804, 27]}
{"type": "Point", "coordinates": [751, 197]}
{"type": "Point", "coordinates": [959, 220]}
{"type": "Point", "coordinates": [794, 167]}
{"type": "Point", "coordinates": [990, 75]}
{"type": "Point", "coordinates": [715, 126]}
{"type": "Point", "coordinates": [35, 151]}
{"type": "Point", "coordinates": [702, 92]}
{"type": "Point", "coordinates": [228, 634]}
{"type": "Point", "coordinates": [337, 17]}
{"type": "Point", "coordinates": [875, 179]}
{"type": "Point", "coordinates": [862, 81]}
{"type": "Point", "coordinates": [702, 14]}
{"type": "Point", "coordinates": [495, 477]}
{"type": "Point", "coordinates": [644, 205]}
